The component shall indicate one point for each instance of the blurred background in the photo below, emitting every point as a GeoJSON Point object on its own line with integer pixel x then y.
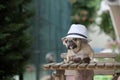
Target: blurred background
{"type": "Point", "coordinates": [31, 32]}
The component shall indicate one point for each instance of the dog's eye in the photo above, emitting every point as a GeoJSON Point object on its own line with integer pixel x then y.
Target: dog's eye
{"type": "Point", "coordinates": [75, 39]}
{"type": "Point", "coordinates": [66, 41]}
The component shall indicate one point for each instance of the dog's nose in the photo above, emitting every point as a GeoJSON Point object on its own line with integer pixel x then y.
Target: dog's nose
{"type": "Point", "coordinates": [71, 44]}
{"type": "Point", "coordinates": [70, 41]}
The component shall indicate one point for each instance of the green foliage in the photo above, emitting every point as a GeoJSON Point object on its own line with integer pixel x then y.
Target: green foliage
{"type": "Point", "coordinates": [106, 24]}
{"type": "Point", "coordinates": [14, 40]}
{"type": "Point", "coordinates": [84, 11]}
{"type": "Point", "coordinates": [118, 58]}
{"type": "Point", "coordinates": [103, 77]}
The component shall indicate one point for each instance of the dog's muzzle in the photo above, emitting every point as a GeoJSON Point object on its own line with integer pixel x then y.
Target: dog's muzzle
{"type": "Point", "coordinates": [71, 45]}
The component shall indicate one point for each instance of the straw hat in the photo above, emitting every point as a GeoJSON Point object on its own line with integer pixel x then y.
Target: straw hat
{"type": "Point", "coordinates": [78, 31]}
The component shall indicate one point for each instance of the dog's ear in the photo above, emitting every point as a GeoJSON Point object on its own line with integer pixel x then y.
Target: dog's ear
{"type": "Point", "coordinates": [63, 40]}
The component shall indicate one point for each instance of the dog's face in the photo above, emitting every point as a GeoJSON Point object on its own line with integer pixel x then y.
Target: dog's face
{"type": "Point", "coordinates": [72, 43]}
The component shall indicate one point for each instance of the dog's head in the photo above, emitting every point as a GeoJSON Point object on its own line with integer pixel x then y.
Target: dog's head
{"type": "Point", "coordinates": [72, 43]}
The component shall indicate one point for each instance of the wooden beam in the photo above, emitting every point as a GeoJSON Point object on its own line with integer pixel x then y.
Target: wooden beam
{"type": "Point", "coordinates": [81, 66]}
{"type": "Point", "coordinates": [105, 55]}
{"type": "Point", "coordinates": [103, 72]}
{"type": "Point", "coordinates": [115, 14]}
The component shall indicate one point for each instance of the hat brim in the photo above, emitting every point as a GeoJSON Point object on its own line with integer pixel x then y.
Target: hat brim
{"type": "Point", "coordinates": [76, 36]}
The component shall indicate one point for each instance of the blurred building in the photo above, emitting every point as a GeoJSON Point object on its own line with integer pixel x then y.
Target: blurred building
{"type": "Point", "coordinates": [115, 15]}
{"type": "Point", "coordinates": [50, 24]}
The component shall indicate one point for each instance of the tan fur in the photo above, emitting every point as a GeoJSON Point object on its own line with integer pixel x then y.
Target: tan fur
{"type": "Point", "coordinates": [83, 49]}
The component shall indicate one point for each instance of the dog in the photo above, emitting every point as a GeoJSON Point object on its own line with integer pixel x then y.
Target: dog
{"type": "Point", "coordinates": [78, 50]}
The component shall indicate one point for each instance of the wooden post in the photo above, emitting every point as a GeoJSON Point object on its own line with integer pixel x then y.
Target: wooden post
{"type": "Point", "coordinates": [80, 74]}
{"type": "Point", "coordinates": [59, 75]}
{"type": "Point", "coordinates": [21, 76]}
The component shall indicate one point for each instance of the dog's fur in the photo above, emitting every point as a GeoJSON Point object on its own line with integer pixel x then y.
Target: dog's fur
{"type": "Point", "coordinates": [79, 51]}
{"type": "Point", "coordinates": [77, 48]}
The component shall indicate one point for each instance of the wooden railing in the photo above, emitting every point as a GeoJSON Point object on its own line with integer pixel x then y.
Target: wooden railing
{"type": "Point", "coordinates": [98, 67]}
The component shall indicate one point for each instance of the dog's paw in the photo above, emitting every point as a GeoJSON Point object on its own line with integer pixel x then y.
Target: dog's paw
{"type": "Point", "coordinates": [86, 60]}
{"type": "Point", "coordinates": [77, 60]}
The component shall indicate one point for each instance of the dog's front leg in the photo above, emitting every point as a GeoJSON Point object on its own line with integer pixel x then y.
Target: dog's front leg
{"type": "Point", "coordinates": [69, 56]}
{"type": "Point", "coordinates": [68, 59]}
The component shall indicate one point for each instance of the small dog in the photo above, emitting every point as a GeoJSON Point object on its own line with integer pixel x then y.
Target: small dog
{"type": "Point", "coordinates": [78, 50]}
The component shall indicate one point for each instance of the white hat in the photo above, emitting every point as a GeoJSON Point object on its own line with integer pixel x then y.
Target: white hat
{"type": "Point", "coordinates": [78, 31]}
